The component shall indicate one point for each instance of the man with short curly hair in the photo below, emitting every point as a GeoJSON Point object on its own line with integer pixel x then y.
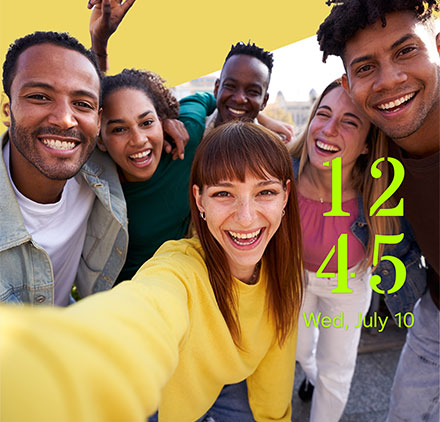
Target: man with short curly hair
{"type": "Point", "coordinates": [390, 50]}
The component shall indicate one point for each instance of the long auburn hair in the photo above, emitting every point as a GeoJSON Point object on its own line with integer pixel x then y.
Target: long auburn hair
{"type": "Point", "coordinates": [362, 181]}
{"type": "Point", "coordinates": [229, 152]}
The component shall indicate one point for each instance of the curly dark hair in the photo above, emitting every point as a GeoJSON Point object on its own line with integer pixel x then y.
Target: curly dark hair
{"type": "Point", "coordinates": [348, 16]}
{"type": "Point", "coordinates": [251, 50]}
{"type": "Point", "coordinates": [61, 39]}
{"type": "Point", "coordinates": [166, 105]}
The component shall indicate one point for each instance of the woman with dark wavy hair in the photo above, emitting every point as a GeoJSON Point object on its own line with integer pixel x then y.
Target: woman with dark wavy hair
{"type": "Point", "coordinates": [203, 313]}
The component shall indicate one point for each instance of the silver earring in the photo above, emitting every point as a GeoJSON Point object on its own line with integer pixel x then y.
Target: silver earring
{"type": "Point", "coordinates": [202, 215]}
{"type": "Point", "coordinates": [283, 213]}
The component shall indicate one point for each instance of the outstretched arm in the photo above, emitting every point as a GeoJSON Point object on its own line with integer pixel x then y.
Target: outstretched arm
{"type": "Point", "coordinates": [104, 20]}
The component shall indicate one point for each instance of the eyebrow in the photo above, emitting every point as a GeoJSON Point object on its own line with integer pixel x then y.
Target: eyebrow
{"type": "Point", "coordinates": [80, 92]}
{"type": "Point", "coordinates": [122, 121]}
{"type": "Point", "coordinates": [400, 41]}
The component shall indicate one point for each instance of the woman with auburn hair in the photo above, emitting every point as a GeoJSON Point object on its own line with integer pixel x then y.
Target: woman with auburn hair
{"type": "Point", "coordinates": [216, 309]}
{"type": "Point", "coordinates": [336, 129]}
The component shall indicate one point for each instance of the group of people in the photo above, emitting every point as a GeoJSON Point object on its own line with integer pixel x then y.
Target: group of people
{"type": "Point", "coordinates": [218, 237]}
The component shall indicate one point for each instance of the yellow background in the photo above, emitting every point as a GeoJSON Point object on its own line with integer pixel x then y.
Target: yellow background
{"type": "Point", "coordinates": [180, 40]}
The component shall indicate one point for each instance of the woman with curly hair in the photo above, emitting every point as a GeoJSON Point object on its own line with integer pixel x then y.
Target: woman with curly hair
{"type": "Point", "coordinates": [155, 186]}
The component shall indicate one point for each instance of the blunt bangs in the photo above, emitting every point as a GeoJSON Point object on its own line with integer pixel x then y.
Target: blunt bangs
{"type": "Point", "coordinates": [231, 150]}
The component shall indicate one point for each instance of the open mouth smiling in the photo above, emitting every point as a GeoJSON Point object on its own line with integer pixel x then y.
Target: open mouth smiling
{"type": "Point", "coordinates": [141, 157]}
{"type": "Point", "coordinates": [397, 104]}
{"type": "Point", "coordinates": [245, 239]}
{"type": "Point", "coordinates": [236, 112]}
{"type": "Point", "coordinates": [59, 145]}
{"type": "Point", "coordinates": [325, 147]}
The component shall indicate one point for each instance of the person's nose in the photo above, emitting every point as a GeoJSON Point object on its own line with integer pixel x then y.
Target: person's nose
{"type": "Point", "coordinates": [331, 128]}
{"type": "Point", "coordinates": [62, 115]}
{"type": "Point", "coordinates": [240, 96]}
{"type": "Point", "coordinates": [138, 138]}
{"type": "Point", "coordinates": [245, 212]}
{"type": "Point", "coordinates": [388, 77]}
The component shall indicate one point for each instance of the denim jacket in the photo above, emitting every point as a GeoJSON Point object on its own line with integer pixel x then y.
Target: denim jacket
{"type": "Point", "coordinates": [26, 274]}
{"type": "Point", "coordinates": [407, 251]}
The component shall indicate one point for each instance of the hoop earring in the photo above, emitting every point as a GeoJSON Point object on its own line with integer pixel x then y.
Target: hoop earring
{"type": "Point", "coordinates": [202, 215]}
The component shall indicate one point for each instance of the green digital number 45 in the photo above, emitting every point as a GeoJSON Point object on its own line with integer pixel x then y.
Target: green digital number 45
{"type": "Point", "coordinates": [342, 245]}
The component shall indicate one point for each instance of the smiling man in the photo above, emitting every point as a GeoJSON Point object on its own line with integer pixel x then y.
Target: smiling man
{"type": "Point", "coordinates": [63, 220]}
{"type": "Point", "coordinates": [390, 50]}
{"type": "Point", "coordinates": [241, 90]}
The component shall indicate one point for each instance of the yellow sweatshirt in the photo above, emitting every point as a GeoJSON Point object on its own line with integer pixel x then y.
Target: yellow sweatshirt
{"type": "Point", "coordinates": [159, 338]}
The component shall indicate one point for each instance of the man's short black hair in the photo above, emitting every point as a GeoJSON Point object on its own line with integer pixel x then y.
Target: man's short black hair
{"type": "Point", "coordinates": [251, 50]}
{"type": "Point", "coordinates": [61, 39]}
{"type": "Point", "coordinates": [348, 16]}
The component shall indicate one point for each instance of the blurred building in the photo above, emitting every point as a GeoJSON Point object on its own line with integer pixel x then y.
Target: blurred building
{"type": "Point", "coordinates": [203, 84]}
{"type": "Point", "coordinates": [298, 111]}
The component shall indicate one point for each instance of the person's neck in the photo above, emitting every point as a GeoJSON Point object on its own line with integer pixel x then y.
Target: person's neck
{"type": "Point", "coordinates": [426, 140]}
{"type": "Point", "coordinates": [317, 184]}
{"type": "Point", "coordinates": [31, 182]}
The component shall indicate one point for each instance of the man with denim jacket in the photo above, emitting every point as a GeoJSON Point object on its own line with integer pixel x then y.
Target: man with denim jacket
{"type": "Point", "coordinates": [391, 54]}
{"type": "Point", "coordinates": [63, 216]}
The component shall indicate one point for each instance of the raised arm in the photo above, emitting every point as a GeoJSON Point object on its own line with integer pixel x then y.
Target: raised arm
{"type": "Point", "coordinates": [104, 20]}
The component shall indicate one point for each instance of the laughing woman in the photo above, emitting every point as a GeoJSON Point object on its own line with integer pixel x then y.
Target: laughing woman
{"type": "Point", "coordinates": [203, 312]}
{"type": "Point", "coordinates": [135, 106]}
{"type": "Point", "coordinates": [327, 355]}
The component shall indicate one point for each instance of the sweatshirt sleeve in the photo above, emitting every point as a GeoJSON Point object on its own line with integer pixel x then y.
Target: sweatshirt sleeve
{"type": "Point", "coordinates": [270, 386]}
{"type": "Point", "coordinates": [193, 112]}
{"type": "Point", "coordinates": [105, 359]}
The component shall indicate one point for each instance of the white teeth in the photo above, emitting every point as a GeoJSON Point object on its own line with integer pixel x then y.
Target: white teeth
{"type": "Point", "coordinates": [327, 147]}
{"type": "Point", "coordinates": [245, 235]}
{"type": "Point", "coordinates": [141, 154]}
{"type": "Point", "coordinates": [56, 144]}
{"type": "Point", "coordinates": [396, 102]}
{"type": "Point", "coordinates": [245, 239]}
{"type": "Point", "coordinates": [233, 110]}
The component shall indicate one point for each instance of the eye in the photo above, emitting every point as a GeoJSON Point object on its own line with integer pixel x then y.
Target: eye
{"type": "Point", "coordinates": [406, 50]}
{"type": "Point", "coordinates": [323, 114]}
{"type": "Point", "coordinates": [84, 104]}
{"type": "Point", "coordinates": [350, 122]}
{"type": "Point", "coordinates": [38, 97]}
{"type": "Point", "coordinates": [254, 92]}
{"type": "Point", "coordinates": [118, 129]}
{"type": "Point", "coordinates": [228, 85]}
{"type": "Point", "coordinates": [221, 194]}
{"type": "Point", "coordinates": [364, 69]}
{"type": "Point", "coordinates": [268, 192]}
{"type": "Point", "coordinates": [147, 123]}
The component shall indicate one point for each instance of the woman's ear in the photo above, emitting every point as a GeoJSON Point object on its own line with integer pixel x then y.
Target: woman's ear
{"type": "Point", "coordinates": [198, 198]}
{"type": "Point", "coordinates": [101, 144]}
{"type": "Point", "coordinates": [365, 150]}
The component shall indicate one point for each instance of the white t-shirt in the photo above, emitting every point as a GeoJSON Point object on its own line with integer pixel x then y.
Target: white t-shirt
{"type": "Point", "coordinates": [59, 228]}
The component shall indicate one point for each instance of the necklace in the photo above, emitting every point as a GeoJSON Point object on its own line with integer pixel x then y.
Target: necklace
{"type": "Point", "coordinates": [254, 275]}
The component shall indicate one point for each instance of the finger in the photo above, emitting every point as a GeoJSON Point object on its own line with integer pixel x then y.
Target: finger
{"type": "Point", "coordinates": [180, 147]}
{"type": "Point", "coordinates": [166, 146]}
{"type": "Point", "coordinates": [92, 3]}
{"type": "Point", "coordinates": [125, 7]}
